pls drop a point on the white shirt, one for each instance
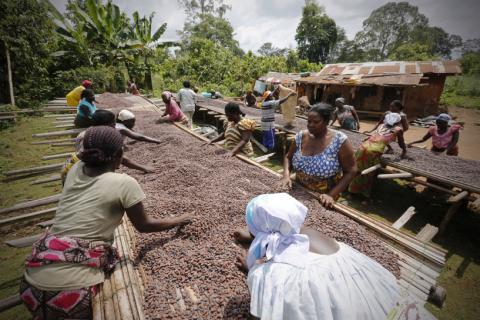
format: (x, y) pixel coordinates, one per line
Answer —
(187, 98)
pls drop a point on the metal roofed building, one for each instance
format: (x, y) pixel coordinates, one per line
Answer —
(371, 86)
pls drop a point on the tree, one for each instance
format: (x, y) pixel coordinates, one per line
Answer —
(316, 33)
(388, 27)
(142, 32)
(205, 19)
(439, 42)
(267, 49)
(193, 8)
(412, 52)
(26, 42)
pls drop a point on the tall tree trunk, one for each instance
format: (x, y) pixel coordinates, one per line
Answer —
(148, 75)
(10, 81)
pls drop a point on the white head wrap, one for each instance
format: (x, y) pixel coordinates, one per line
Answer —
(275, 221)
(340, 100)
(125, 115)
(392, 118)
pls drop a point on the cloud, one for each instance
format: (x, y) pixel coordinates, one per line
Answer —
(258, 21)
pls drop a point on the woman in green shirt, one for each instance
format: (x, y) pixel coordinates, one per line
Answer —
(71, 258)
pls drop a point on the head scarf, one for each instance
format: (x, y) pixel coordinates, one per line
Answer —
(275, 221)
(167, 94)
(444, 117)
(340, 100)
(392, 118)
(125, 115)
(266, 94)
(86, 83)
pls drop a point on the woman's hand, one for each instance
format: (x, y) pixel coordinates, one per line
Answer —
(326, 200)
(184, 219)
(148, 169)
(286, 182)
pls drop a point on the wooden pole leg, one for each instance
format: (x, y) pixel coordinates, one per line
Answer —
(448, 216)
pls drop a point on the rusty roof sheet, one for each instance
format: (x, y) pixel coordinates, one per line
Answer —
(280, 77)
(365, 80)
(449, 67)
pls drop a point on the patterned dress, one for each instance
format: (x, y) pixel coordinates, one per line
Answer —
(233, 135)
(322, 171)
(368, 155)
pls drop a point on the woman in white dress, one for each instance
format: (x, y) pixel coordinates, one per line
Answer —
(299, 273)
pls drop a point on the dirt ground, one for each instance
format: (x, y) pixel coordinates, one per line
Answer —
(469, 143)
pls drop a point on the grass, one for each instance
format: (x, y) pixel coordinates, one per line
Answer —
(17, 152)
(462, 91)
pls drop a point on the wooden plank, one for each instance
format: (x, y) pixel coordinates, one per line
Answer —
(401, 175)
(27, 216)
(50, 167)
(57, 156)
(259, 145)
(52, 178)
(412, 289)
(404, 218)
(427, 233)
(23, 242)
(371, 169)
(263, 158)
(69, 125)
(31, 204)
(449, 215)
(459, 197)
(54, 141)
(10, 302)
(57, 133)
(45, 224)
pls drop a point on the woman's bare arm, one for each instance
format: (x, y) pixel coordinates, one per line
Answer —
(144, 223)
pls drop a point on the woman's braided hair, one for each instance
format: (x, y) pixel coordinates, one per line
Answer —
(101, 146)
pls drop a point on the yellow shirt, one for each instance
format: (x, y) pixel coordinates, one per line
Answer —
(90, 208)
(73, 97)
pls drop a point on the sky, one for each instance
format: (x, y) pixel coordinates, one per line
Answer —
(258, 21)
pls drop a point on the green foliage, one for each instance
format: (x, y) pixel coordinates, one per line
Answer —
(412, 52)
(316, 33)
(103, 79)
(210, 66)
(388, 27)
(462, 91)
(399, 26)
(267, 49)
(471, 63)
(30, 38)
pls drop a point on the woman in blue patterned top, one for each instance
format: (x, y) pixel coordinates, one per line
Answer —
(323, 159)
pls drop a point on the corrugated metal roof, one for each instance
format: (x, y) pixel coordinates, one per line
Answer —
(280, 77)
(393, 67)
(358, 80)
(394, 73)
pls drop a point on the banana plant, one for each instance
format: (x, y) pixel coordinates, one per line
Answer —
(142, 32)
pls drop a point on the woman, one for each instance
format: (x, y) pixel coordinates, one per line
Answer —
(125, 124)
(72, 258)
(396, 106)
(85, 109)
(269, 104)
(372, 149)
(100, 118)
(132, 87)
(238, 131)
(298, 273)
(250, 100)
(172, 113)
(444, 137)
(346, 115)
(322, 158)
